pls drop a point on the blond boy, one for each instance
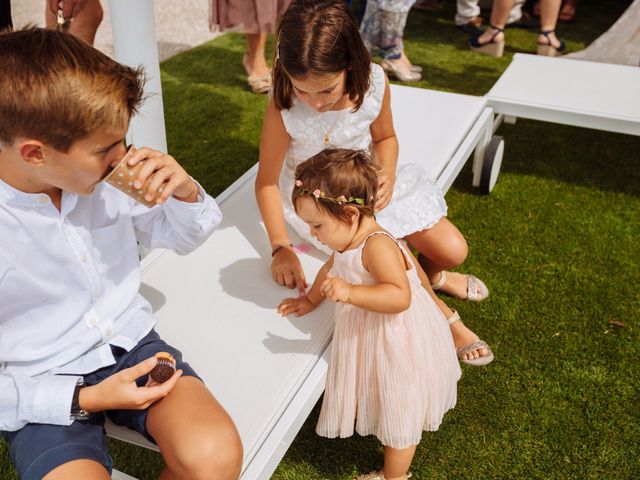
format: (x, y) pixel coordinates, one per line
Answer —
(76, 337)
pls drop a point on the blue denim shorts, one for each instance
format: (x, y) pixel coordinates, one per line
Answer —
(36, 449)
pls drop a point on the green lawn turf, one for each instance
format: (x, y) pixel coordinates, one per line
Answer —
(556, 242)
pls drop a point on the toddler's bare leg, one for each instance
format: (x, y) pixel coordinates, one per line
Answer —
(78, 470)
(196, 436)
(397, 462)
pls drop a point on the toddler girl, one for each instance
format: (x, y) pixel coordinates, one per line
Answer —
(393, 368)
(326, 92)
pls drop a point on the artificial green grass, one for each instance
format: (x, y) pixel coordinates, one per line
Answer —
(556, 242)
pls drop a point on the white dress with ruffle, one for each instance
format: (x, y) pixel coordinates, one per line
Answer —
(390, 375)
(417, 203)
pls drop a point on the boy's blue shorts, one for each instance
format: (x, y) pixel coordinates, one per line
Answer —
(36, 449)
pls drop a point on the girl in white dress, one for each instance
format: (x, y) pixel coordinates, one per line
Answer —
(326, 92)
(393, 368)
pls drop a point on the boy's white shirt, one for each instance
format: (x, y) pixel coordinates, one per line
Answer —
(69, 283)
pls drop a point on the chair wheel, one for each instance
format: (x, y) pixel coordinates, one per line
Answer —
(491, 164)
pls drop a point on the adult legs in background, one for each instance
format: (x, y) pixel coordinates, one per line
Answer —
(499, 16)
(549, 10)
(382, 32)
(255, 63)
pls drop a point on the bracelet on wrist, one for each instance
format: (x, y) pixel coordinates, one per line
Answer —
(349, 295)
(280, 247)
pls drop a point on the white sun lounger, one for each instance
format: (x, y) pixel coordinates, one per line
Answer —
(218, 304)
(570, 92)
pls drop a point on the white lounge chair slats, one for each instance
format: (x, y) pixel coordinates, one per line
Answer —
(571, 92)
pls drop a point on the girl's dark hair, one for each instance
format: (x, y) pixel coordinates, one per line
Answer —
(337, 178)
(319, 37)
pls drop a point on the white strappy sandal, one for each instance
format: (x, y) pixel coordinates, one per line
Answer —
(476, 289)
(462, 351)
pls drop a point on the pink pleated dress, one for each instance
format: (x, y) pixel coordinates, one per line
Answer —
(390, 375)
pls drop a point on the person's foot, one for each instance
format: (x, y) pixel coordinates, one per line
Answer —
(258, 73)
(399, 70)
(255, 66)
(550, 39)
(459, 285)
(463, 336)
(472, 27)
(491, 35)
(407, 63)
(525, 21)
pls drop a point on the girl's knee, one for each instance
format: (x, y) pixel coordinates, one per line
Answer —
(457, 251)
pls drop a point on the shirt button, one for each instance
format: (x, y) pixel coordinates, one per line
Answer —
(44, 199)
(96, 291)
(92, 322)
(83, 258)
(108, 332)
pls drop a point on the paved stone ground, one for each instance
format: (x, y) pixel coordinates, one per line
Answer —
(180, 24)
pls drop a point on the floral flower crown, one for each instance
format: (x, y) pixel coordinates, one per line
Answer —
(318, 194)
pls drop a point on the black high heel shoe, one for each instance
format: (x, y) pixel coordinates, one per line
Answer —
(548, 49)
(491, 48)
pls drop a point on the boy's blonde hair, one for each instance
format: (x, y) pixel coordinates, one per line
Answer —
(58, 89)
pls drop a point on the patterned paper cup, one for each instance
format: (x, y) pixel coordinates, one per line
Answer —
(123, 175)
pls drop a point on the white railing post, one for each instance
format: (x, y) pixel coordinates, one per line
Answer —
(135, 44)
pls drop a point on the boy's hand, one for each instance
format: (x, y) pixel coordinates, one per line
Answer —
(119, 391)
(336, 289)
(162, 176)
(298, 306)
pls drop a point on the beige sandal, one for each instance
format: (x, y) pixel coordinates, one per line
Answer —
(477, 345)
(257, 84)
(476, 289)
(376, 476)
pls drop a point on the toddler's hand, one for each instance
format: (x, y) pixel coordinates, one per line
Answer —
(120, 391)
(336, 289)
(298, 306)
(385, 190)
(162, 176)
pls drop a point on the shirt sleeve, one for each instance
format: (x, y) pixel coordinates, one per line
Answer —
(43, 399)
(179, 226)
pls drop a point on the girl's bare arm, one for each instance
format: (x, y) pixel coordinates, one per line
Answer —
(273, 148)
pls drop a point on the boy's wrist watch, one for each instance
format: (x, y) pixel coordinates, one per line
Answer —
(76, 412)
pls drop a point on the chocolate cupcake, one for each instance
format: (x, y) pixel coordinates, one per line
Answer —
(165, 367)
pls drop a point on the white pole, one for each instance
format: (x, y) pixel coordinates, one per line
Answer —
(134, 42)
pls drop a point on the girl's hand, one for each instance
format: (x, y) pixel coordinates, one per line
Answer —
(162, 176)
(286, 269)
(120, 392)
(298, 306)
(385, 190)
(336, 289)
